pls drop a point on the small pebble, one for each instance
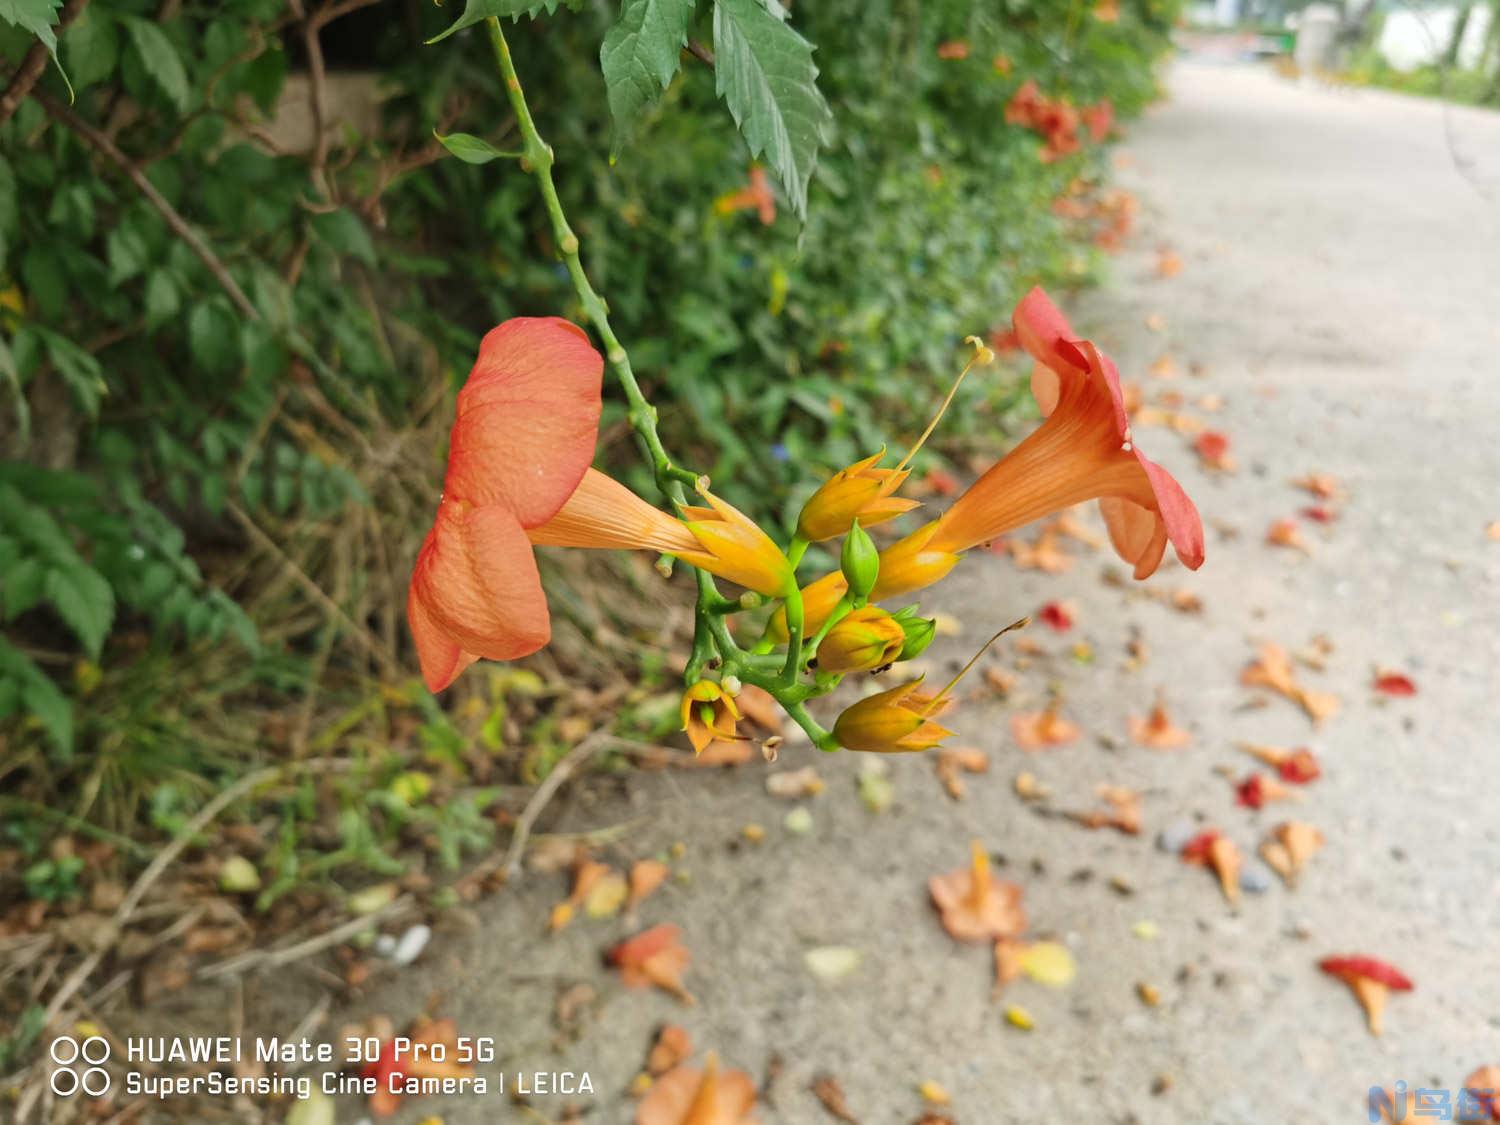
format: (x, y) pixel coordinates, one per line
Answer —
(1255, 878)
(753, 832)
(1174, 837)
(1145, 929)
(798, 822)
(1150, 995)
(411, 944)
(384, 945)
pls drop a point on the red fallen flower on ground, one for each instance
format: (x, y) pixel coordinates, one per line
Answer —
(1300, 768)
(1257, 789)
(1212, 448)
(1319, 513)
(394, 1066)
(1394, 683)
(1056, 615)
(1372, 981)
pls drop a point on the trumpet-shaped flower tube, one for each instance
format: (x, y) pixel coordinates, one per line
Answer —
(1083, 451)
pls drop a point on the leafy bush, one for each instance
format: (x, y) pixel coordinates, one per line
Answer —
(228, 353)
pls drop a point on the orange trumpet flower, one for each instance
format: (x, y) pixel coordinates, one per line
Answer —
(1084, 450)
(518, 475)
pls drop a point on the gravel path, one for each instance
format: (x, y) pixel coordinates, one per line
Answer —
(1339, 293)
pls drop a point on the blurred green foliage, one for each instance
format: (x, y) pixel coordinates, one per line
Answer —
(155, 407)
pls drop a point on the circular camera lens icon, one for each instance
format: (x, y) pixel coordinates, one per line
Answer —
(67, 1079)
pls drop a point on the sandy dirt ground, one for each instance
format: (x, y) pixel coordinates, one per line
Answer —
(1339, 293)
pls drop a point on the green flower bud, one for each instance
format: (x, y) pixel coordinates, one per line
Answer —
(919, 632)
(860, 562)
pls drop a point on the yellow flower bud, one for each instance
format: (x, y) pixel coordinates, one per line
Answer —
(863, 639)
(734, 547)
(893, 722)
(859, 492)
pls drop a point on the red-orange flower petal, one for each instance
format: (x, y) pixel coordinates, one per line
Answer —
(475, 592)
(528, 419)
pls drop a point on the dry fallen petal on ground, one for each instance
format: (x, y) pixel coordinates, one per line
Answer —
(974, 905)
(688, 1096)
(1298, 766)
(1371, 980)
(1155, 322)
(1288, 848)
(1185, 601)
(1124, 813)
(1156, 729)
(672, 1047)
(1318, 513)
(1163, 367)
(1046, 554)
(1212, 448)
(1258, 790)
(1272, 669)
(999, 681)
(959, 759)
(645, 876)
(795, 784)
(760, 707)
(1028, 788)
(1035, 729)
(1212, 849)
(1325, 486)
(1058, 615)
(1286, 533)
(412, 1056)
(654, 957)
(1008, 952)
(1492, 532)
(1168, 264)
(1394, 683)
(826, 1089)
(587, 874)
(606, 896)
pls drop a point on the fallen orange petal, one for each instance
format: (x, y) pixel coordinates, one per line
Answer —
(1286, 533)
(673, 1045)
(1035, 729)
(1157, 731)
(688, 1096)
(654, 956)
(973, 905)
(645, 876)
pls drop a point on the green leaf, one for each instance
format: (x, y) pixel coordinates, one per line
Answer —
(766, 75)
(83, 599)
(471, 149)
(35, 16)
(162, 299)
(126, 251)
(79, 370)
(92, 47)
(159, 58)
(212, 337)
(640, 54)
(476, 11)
(23, 586)
(39, 695)
(345, 233)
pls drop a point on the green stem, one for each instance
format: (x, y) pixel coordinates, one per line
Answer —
(537, 159)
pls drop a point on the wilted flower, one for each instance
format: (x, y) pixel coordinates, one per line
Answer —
(708, 714)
